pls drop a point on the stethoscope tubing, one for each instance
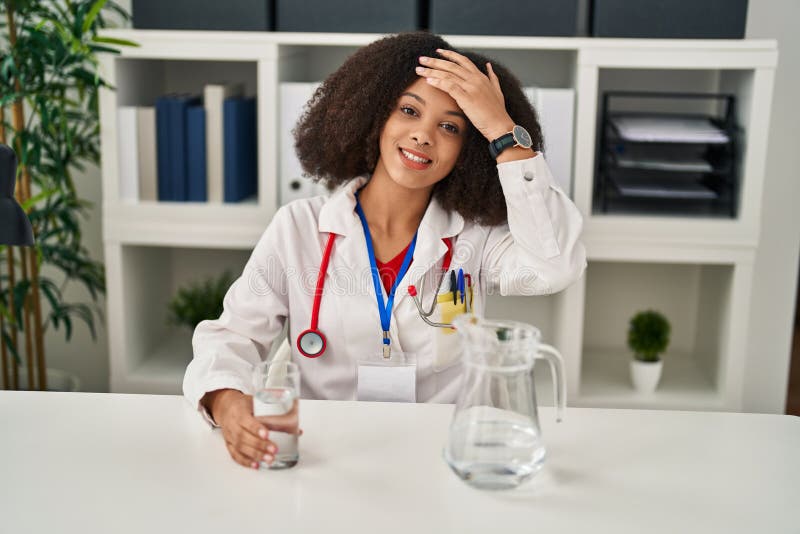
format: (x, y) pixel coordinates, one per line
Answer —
(323, 270)
(313, 331)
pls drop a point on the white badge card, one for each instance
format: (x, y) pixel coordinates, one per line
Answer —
(392, 379)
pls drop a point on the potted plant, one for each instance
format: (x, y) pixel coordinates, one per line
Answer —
(49, 83)
(199, 301)
(648, 337)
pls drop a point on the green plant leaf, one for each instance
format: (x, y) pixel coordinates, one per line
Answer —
(199, 301)
(648, 335)
(9, 343)
(115, 41)
(92, 15)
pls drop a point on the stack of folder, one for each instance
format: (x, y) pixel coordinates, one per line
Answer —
(667, 162)
(189, 148)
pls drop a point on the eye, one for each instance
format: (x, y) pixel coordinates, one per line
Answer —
(452, 128)
(408, 110)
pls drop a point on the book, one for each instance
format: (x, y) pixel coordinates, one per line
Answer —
(213, 97)
(146, 143)
(128, 154)
(196, 154)
(241, 164)
(163, 154)
(291, 184)
(556, 110)
(178, 106)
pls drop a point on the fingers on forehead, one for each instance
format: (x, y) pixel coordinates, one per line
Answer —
(455, 57)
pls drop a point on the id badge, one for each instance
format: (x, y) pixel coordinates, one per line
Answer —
(392, 379)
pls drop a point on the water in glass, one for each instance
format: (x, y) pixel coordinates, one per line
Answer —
(269, 403)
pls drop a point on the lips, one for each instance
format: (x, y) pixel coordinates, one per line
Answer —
(414, 160)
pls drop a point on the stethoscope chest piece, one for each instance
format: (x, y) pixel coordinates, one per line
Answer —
(311, 343)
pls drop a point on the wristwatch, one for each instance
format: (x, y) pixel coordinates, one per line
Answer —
(519, 136)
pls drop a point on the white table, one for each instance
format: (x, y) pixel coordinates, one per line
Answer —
(85, 462)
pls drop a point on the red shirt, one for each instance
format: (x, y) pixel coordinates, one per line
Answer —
(388, 271)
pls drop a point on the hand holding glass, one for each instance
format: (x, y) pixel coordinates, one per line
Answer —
(275, 403)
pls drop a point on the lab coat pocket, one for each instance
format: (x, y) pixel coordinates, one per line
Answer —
(448, 351)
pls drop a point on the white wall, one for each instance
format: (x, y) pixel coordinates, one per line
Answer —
(776, 265)
(775, 278)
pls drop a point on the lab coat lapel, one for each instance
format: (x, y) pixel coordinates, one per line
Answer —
(437, 223)
(339, 217)
(350, 252)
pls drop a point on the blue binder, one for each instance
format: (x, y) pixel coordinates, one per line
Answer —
(241, 163)
(196, 154)
(162, 148)
(177, 146)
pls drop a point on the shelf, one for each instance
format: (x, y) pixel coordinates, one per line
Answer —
(147, 352)
(235, 225)
(605, 383)
(695, 299)
(697, 269)
(176, 76)
(162, 372)
(189, 39)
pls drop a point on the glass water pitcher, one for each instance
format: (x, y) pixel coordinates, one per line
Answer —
(495, 440)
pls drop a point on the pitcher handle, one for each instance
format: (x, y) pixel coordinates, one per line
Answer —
(556, 361)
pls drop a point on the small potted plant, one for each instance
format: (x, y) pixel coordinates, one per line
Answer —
(648, 337)
(199, 301)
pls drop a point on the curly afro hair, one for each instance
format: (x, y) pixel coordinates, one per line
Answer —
(337, 138)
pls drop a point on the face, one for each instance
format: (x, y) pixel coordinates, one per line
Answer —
(422, 138)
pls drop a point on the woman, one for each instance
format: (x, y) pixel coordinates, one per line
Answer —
(402, 131)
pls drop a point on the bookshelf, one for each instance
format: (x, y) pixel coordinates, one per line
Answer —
(697, 269)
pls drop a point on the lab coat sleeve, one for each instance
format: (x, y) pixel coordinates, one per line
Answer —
(254, 312)
(539, 250)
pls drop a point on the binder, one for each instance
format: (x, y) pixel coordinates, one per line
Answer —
(146, 143)
(178, 177)
(556, 110)
(196, 154)
(239, 126)
(163, 153)
(213, 97)
(291, 183)
(128, 154)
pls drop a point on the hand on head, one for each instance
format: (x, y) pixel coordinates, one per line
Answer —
(479, 96)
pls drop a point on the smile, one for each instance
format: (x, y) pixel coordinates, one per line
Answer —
(413, 157)
(415, 161)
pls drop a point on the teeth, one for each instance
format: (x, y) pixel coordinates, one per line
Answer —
(412, 157)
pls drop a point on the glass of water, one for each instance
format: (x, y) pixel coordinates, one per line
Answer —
(275, 403)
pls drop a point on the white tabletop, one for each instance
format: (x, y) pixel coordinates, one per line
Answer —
(84, 462)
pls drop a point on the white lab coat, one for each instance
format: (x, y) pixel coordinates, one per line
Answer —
(538, 252)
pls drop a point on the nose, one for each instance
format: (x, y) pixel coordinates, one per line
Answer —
(422, 135)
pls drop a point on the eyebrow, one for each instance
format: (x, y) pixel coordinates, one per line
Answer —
(422, 101)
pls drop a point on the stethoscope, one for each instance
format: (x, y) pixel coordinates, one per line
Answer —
(312, 342)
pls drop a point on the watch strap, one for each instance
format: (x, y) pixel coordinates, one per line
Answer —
(501, 143)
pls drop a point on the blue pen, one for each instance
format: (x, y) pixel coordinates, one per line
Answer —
(461, 289)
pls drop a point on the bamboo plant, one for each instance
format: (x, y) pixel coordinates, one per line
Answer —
(49, 84)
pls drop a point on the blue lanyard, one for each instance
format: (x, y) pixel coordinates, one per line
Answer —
(385, 311)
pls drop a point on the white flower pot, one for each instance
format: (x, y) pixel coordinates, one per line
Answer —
(645, 375)
(57, 380)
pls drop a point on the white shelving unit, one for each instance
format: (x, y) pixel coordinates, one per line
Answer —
(697, 270)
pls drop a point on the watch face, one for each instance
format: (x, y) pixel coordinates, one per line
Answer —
(522, 137)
